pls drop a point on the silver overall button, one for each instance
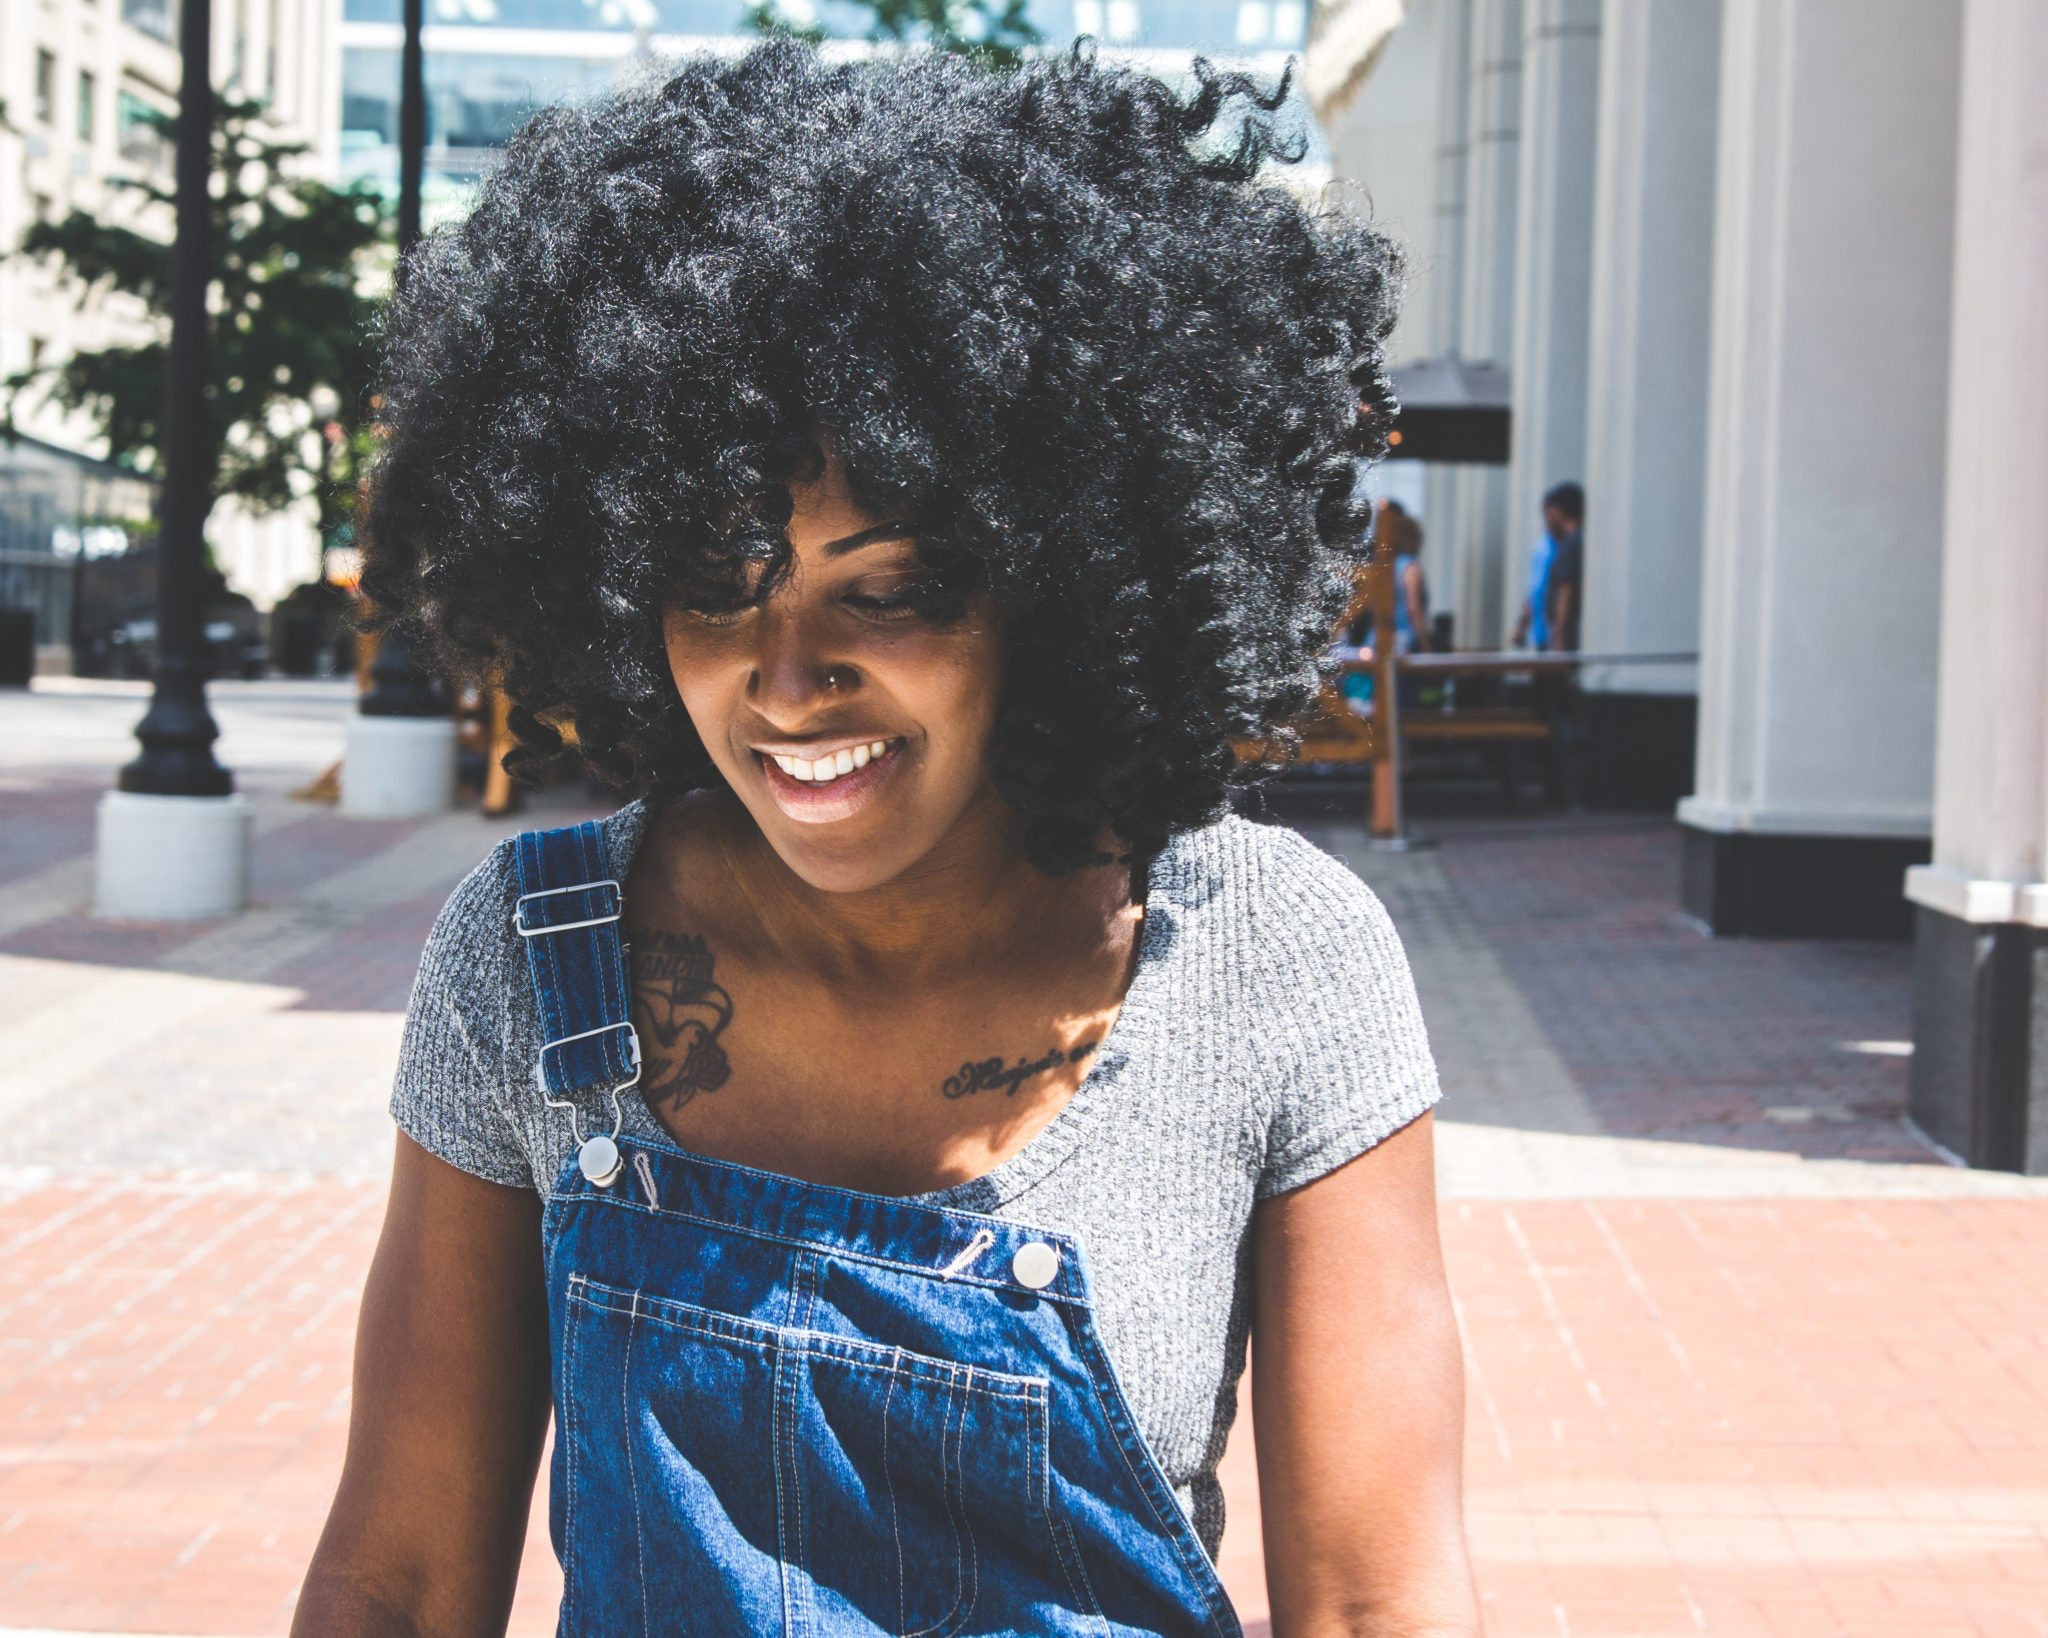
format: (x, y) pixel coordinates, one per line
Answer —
(601, 1161)
(1036, 1265)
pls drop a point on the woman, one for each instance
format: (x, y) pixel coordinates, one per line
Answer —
(878, 1140)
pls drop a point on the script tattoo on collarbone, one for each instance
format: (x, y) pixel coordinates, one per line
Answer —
(678, 1003)
(990, 1075)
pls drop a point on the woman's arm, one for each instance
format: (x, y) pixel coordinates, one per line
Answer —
(449, 1414)
(1358, 1398)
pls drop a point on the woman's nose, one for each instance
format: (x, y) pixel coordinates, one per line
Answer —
(794, 673)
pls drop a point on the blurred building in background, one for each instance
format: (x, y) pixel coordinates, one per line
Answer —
(76, 72)
(490, 63)
(76, 78)
(1766, 275)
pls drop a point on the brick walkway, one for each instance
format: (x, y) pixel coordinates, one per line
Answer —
(1744, 1355)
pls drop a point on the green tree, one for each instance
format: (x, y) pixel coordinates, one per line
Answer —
(996, 33)
(291, 337)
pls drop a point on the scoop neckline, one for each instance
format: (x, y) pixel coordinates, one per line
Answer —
(626, 830)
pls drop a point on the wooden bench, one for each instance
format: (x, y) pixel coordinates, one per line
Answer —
(1337, 733)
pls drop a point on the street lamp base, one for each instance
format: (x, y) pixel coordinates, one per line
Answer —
(172, 858)
(398, 767)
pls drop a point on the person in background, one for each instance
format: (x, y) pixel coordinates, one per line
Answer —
(1395, 529)
(1549, 620)
(1550, 624)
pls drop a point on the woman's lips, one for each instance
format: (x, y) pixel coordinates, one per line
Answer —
(841, 798)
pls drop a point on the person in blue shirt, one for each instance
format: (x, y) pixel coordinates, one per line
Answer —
(1549, 621)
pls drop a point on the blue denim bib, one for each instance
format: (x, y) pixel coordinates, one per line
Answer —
(787, 1408)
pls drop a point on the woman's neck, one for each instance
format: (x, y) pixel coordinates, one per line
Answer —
(973, 902)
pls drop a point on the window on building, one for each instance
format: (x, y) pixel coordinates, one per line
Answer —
(475, 101)
(87, 106)
(139, 141)
(42, 205)
(157, 17)
(270, 33)
(608, 16)
(46, 86)
(1122, 18)
(1290, 17)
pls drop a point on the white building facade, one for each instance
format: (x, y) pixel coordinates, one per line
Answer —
(75, 77)
(1776, 270)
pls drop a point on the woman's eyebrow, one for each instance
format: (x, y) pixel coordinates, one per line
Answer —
(868, 537)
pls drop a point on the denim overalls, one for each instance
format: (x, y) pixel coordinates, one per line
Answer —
(783, 1408)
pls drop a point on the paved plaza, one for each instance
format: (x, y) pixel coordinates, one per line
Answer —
(1745, 1354)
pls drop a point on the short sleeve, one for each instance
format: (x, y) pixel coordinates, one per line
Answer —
(450, 1092)
(1350, 1055)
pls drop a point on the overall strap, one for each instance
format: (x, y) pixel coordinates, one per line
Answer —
(568, 914)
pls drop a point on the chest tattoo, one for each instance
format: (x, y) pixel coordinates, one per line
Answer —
(678, 1003)
(990, 1075)
(680, 1008)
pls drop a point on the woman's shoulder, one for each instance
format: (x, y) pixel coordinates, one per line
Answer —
(478, 912)
(1270, 885)
(459, 1090)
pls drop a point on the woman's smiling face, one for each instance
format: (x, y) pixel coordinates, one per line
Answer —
(855, 728)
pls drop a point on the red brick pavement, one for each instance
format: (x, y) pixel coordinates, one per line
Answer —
(1735, 1417)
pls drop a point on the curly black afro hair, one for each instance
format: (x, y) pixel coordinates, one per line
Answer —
(1060, 317)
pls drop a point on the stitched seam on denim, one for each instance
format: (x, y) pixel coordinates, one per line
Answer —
(973, 1588)
(611, 976)
(632, 1472)
(1067, 1285)
(599, 976)
(1119, 1420)
(567, 1411)
(889, 1483)
(854, 1351)
(553, 1012)
(781, 1507)
(1055, 1528)
(832, 1249)
(947, 1469)
(803, 1296)
(796, 1489)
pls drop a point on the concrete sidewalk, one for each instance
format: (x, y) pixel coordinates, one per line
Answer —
(1745, 1354)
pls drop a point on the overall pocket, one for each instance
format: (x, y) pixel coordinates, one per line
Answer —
(730, 1476)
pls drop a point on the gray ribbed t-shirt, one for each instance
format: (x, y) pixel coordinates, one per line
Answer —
(1271, 1032)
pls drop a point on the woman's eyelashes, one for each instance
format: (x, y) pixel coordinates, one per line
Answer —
(884, 607)
(881, 605)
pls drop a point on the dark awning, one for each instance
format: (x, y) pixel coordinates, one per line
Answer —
(1452, 410)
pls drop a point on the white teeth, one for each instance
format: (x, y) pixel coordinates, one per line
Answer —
(828, 768)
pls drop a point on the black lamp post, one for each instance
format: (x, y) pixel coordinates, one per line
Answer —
(399, 687)
(178, 731)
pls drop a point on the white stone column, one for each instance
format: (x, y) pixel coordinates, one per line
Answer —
(1447, 264)
(1553, 261)
(1473, 575)
(1826, 433)
(1980, 1049)
(1646, 392)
